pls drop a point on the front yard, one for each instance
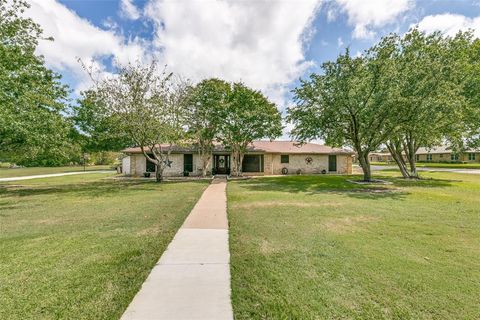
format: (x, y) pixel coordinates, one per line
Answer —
(319, 247)
(302, 247)
(79, 247)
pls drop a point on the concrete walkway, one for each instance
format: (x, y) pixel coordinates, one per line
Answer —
(192, 278)
(51, 175)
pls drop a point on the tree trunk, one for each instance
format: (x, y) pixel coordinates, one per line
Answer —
(240, 163)
(236, 163)
(158, 173)
(205, 163)
(365, 164)
(412, 161)
(396, 152)
(413, 166)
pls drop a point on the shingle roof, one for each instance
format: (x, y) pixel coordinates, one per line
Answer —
(287, 147)
(291, 147)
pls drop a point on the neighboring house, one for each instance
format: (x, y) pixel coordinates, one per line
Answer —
(444, 154)
(380, 157)
(261, 158)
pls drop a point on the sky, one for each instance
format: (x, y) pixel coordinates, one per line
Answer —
(269, 45)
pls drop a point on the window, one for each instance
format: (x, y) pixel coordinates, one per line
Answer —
(429, 157)
(417, 157)
(252, 163)
(454, 157)
(284, 158)
(441, 155)
(471, 156)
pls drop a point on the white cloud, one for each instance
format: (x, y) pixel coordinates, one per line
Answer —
(365, 16)
(340, 42)
(261, 43)
(129, 10)
(78, 38)
(258, 42)
(449, 24)
(331, 14)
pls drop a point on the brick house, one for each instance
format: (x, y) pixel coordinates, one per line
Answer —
(261, 158)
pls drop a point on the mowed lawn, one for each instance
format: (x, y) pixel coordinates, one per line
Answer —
(31, 171)
(79, 247)
(320, 247)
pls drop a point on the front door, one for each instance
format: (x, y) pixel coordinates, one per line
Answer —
(188, 163)
(332, 163)
(222, 164)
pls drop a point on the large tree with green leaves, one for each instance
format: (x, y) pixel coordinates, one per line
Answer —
(427, 94)
(98, 129)
(207, 102)
(348, 105)
(248, 116)
(149, 106)
(470, 48)
(32, 97)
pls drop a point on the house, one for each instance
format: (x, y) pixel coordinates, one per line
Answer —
(445, 154)
(380, 157)
(261, 158)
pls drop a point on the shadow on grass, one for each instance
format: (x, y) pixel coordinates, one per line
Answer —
(423, 183)
(340, 185)
(100, 188)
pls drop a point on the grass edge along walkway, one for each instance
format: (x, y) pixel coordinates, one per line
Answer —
(192, 278)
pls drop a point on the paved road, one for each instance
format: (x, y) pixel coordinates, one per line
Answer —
(192, 278)
(51, 175)
(469, 171)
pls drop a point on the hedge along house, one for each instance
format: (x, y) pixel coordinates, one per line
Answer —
(261, 158)
(444, 154)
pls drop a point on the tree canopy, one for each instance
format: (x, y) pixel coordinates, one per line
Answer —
(33, 128)
(418, 90)
(427, 95)
(207, 102)
(348, 104)
(248, 116)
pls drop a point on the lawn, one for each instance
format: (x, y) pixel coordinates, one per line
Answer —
(20, 172)
(320, 247)
(435, 165)
(79, 247)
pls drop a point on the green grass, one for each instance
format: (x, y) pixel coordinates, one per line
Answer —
(320, 247)
(79, 247)
(435, 165)
(21, 172)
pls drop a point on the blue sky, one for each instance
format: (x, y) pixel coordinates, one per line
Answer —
(267, 44)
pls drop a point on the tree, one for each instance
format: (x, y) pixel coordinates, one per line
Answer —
(471, 88)
(207, 101)
(98, 128)
(248, 116)
(149, 105)
(427, 95)
(347, 104)
(32, 97)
